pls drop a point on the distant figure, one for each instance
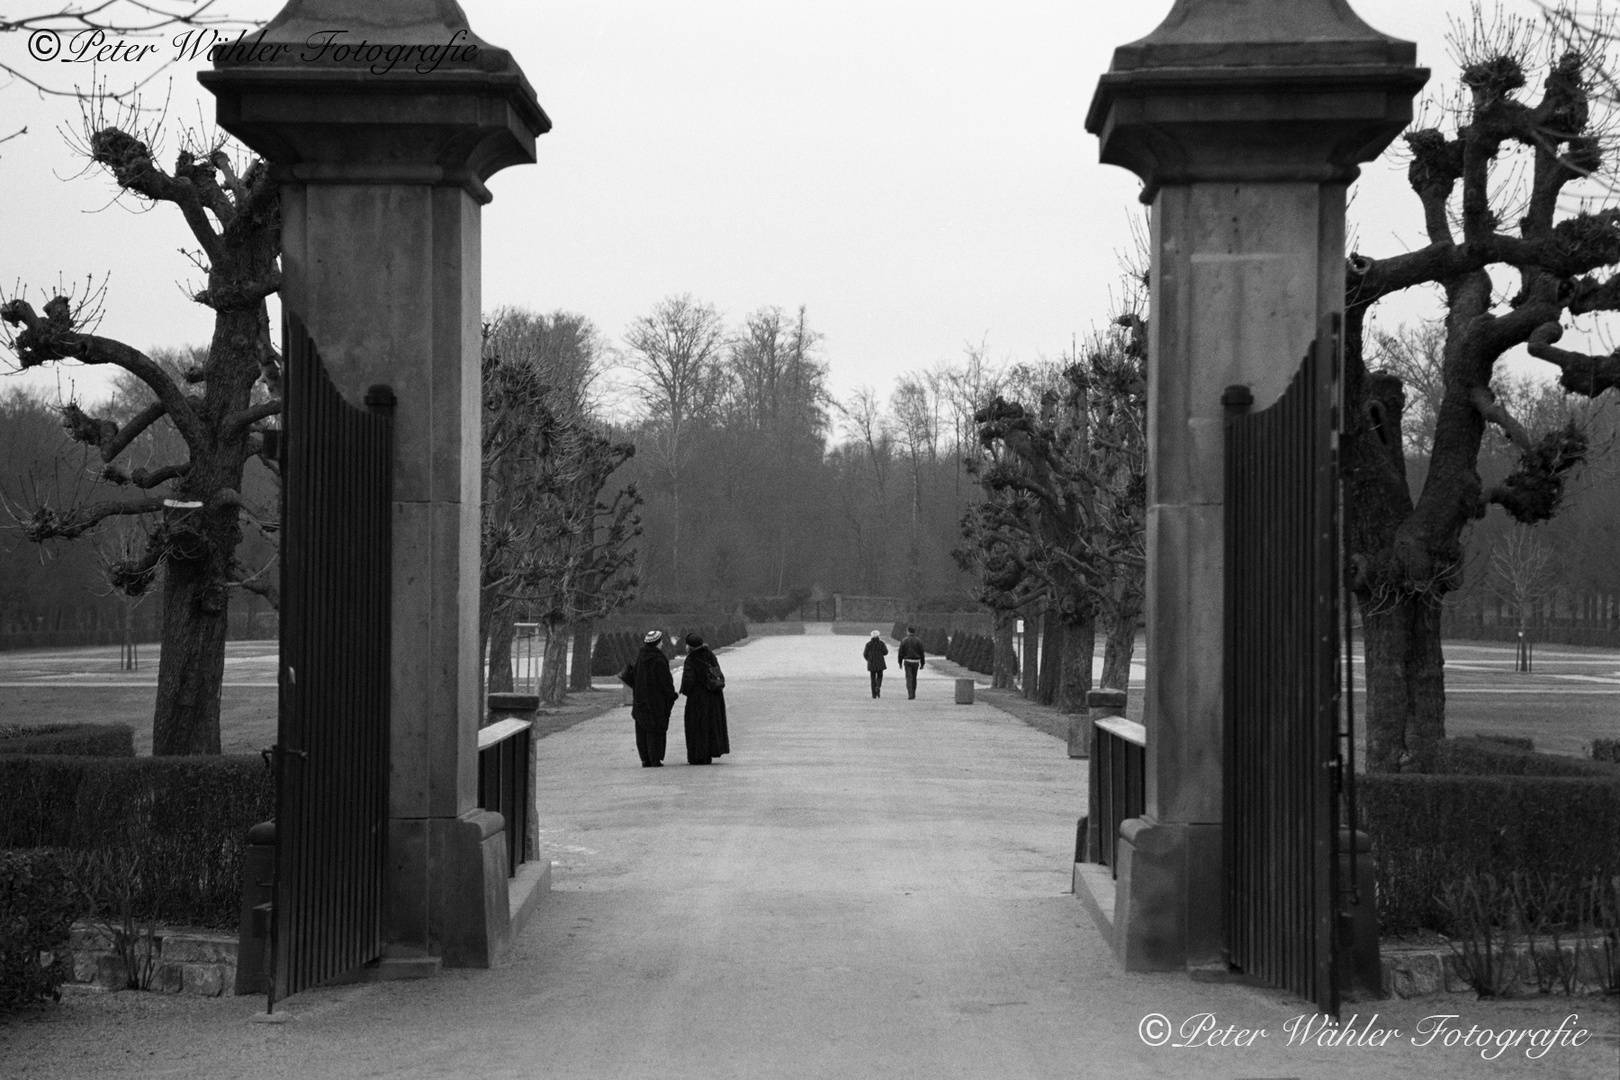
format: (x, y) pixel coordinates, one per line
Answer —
(653, 690)
(875, 652)
(705, 690)
(911, 658)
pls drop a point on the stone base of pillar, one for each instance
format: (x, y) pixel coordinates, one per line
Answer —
(1167, 907)
(448, 890)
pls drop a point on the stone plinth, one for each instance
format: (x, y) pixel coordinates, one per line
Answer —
(382, 172)
(1246, 120)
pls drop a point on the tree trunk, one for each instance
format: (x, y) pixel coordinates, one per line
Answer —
(1121, 642)
(1005, 665)
(1405, 698)
(579, 673)
(191, 667)
(501, 633)
(1079, 645)
(554, 672)
(1051, 658)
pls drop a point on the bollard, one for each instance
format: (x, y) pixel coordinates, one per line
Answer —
(253, 930)
(964, 691)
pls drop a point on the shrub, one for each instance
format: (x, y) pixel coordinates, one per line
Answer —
(37, 907)
(89, 740)
(181, 821)
(1431, 831)
(1606, 750)
(602, 656)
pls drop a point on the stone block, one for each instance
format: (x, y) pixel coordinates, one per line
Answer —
(1413, 974)
(90, 936)
(205, 980)
(1150, 907)
(1081, 735)
(185, 948)
(110, 972)
(169, 978)
(964, 691)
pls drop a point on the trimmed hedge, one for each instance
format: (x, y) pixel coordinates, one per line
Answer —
(1486, 755)
(172, 830)
(90, 740)
(1428, 830)
(38, 904)
(1606, 750)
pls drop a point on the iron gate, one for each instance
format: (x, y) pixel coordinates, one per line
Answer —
(1281, 680)
(332, 735)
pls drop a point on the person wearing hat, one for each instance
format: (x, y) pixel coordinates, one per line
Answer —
(875, 652)
(652, 697)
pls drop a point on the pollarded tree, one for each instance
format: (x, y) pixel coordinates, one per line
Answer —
(1407, 553)
(192, 507)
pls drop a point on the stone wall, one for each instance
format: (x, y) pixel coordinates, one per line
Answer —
(179, 961)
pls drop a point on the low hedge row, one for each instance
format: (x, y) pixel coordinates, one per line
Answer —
(1428, 830)
(976, 652)
(1606, 750)
(93, 740)
(1488, 755)
(38, 904)
(935, 641)
(616, 649)
(170, 832)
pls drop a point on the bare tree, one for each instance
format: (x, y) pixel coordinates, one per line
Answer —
(194, 503)
(674, 352)
(1407, 553)
(1521, 572)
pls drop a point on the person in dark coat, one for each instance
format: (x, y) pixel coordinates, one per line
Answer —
(911, 659)
(653, 696)
(875, 652)
(705, 690)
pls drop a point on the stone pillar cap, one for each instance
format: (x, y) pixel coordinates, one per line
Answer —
(357, 91)
(1254, 90)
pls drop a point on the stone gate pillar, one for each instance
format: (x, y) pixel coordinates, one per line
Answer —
(1246, 120)
(382, 121)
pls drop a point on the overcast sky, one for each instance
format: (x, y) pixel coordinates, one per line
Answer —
(917, 175)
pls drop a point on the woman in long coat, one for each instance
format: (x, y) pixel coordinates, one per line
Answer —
(706, 736)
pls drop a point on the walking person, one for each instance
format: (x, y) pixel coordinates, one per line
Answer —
(653, 696)
(911, 659)
(875, 652)
(705, 688)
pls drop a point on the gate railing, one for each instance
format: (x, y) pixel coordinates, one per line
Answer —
(332, 741)
(503, 782)
(1119, 771)
(1283, 760)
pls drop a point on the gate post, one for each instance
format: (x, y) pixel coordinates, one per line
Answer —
(382, 137)
(1246, 120)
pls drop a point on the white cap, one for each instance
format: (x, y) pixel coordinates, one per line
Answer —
(877, 633)
(653, 635)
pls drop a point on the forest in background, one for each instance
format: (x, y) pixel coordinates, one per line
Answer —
(757, 483)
